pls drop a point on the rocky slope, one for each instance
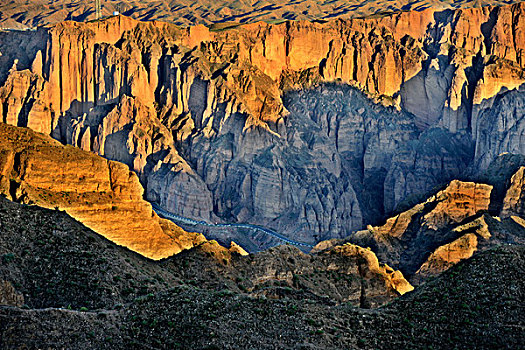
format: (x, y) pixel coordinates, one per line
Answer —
(449, 227)
(103, 195)
(138, 303)
(313, 129)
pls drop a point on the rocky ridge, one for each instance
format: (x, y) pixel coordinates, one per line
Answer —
(51, 260)
(448, 227)
(104, 195)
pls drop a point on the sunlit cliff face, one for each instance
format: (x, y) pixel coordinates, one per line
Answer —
(103, 195)
(246, 125)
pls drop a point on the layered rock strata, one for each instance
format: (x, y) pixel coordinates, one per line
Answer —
(104, 195)
(240, 124)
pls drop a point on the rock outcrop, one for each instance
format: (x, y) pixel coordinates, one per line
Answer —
(368, 265)
(406, 239)
(310, 128)
(449, 227)
(104, 195)
(359, 277)
(447, 255)
(514, 201)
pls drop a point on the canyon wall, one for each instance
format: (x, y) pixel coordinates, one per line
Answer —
(312, 129)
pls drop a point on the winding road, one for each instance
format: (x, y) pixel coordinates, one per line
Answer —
(174, 217)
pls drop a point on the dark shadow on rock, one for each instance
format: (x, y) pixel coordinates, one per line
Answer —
(21, 45)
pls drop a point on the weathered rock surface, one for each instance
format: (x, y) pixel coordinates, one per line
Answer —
(498, 127)
(104, 195)
(245, 123)
(406, 238)
(514, 201)
(461, 248)
(499, 175)
(361, 279)
(448, 255)
(449, 227)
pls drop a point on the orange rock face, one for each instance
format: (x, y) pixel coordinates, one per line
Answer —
(96, 63)
(473, 234)
(457, 202)
(104, 195)
(514, 201)
(450, 254)
(449, 227)
(407, 239)
(368, 266)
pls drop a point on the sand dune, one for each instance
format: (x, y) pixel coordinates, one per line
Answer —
(23, 13)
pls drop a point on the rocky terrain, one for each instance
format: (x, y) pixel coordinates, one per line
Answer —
(65, 286)
(393, 142)
(104, 195)
(312, 129)
(452, 225)
(24, 14)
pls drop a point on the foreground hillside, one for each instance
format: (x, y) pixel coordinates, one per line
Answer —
(50, 260)
(70, 288)
(23, 14)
